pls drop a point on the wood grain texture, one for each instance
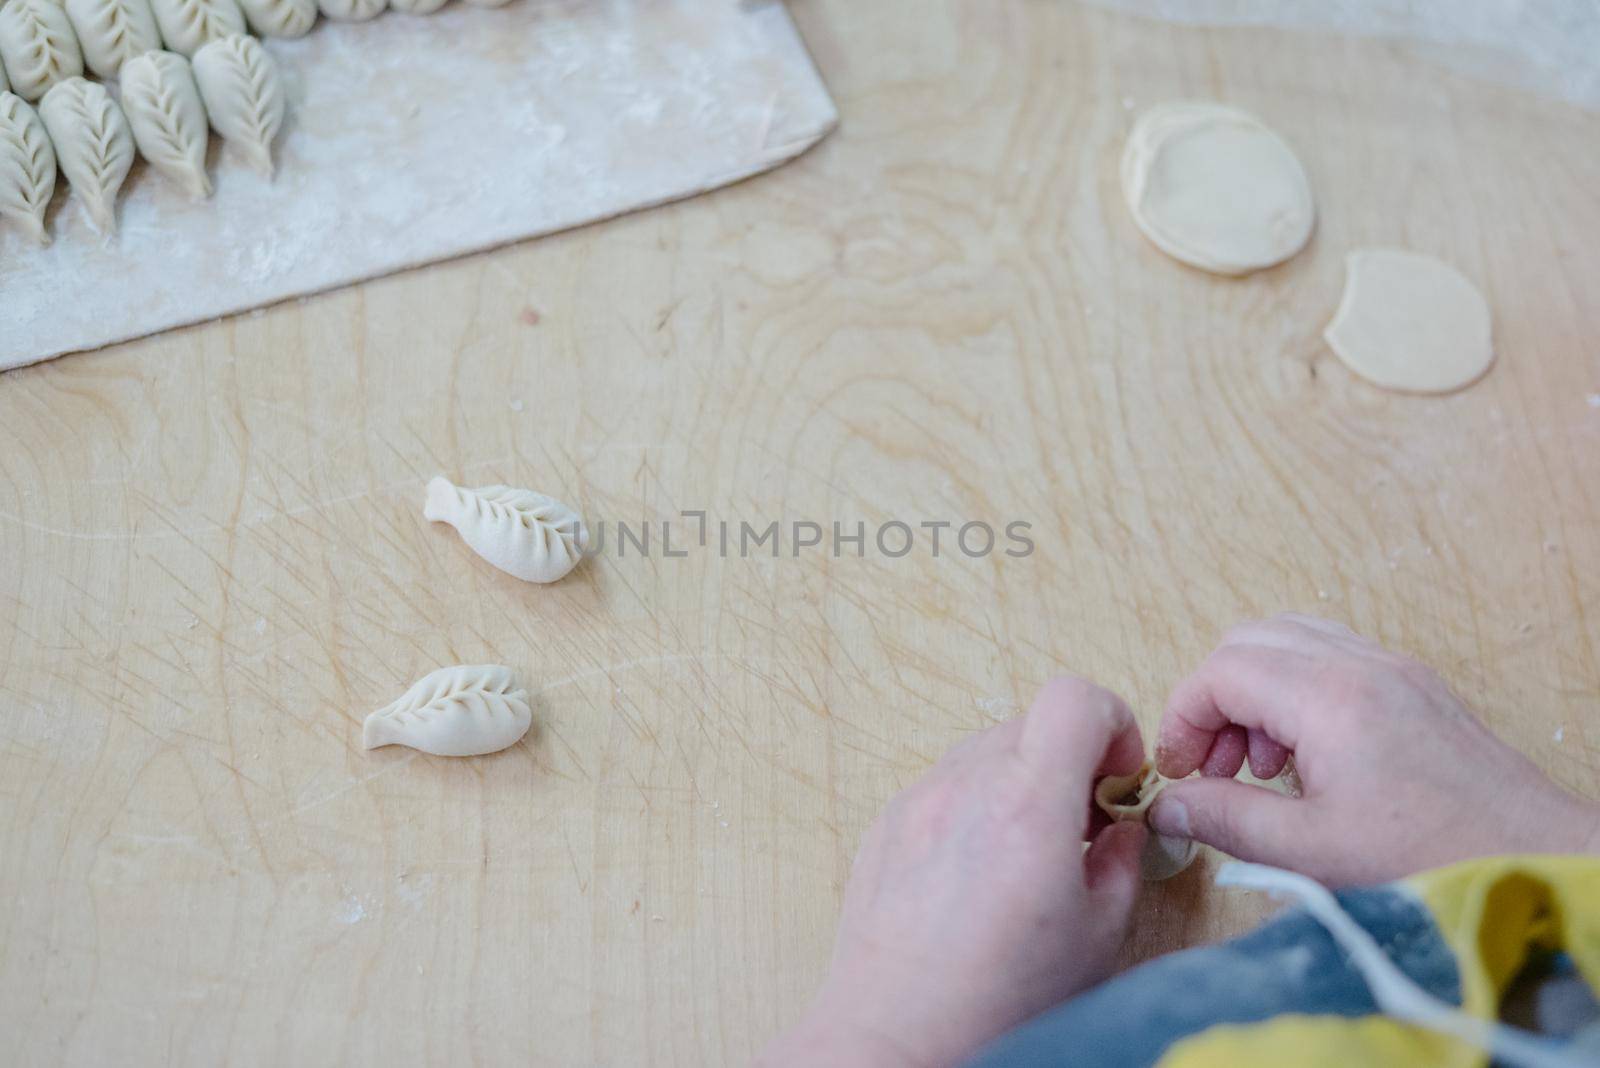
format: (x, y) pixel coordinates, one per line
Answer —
(215, 563)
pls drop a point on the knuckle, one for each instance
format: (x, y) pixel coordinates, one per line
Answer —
(1228, 661)
(1349, 690)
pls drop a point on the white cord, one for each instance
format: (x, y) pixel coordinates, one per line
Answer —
(1394, 991)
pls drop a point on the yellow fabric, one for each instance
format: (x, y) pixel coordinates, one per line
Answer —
(1319, 1042)
(1490, 912)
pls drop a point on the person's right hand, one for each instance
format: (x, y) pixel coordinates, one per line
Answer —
(1398, 776)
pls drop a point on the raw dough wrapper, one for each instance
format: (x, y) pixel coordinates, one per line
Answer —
(1128, 798)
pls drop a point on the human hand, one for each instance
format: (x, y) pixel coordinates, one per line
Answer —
(973, 904)
(1397, 775)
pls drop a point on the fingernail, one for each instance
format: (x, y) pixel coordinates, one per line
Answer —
(1169, 817)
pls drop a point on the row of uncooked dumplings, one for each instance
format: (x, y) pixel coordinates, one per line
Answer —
(47, 45)
(166, 104)
(43, 42)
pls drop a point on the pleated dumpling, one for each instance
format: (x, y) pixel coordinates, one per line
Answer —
(243, 95)
(454, 711)
(111, 32)
(94, 147)
(280, 18)
(1127, 798)
(168, 121)
(526, 534)
(27, 166)
(38, 46)
(187, 25)
(351, 10)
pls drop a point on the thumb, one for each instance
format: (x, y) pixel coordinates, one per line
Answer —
(1244, 821)
(1111, 868)
(1111, 876)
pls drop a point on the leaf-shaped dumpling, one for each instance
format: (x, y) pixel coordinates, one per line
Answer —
(111, 32)
(5, 83)
(239, 84)
(280, 18)
(455, 711)
(37, 46)
(186, 25)
(27, 166)
(416, 7)
(94, 147)
(351, 10)
(168, 120)
(526, 534)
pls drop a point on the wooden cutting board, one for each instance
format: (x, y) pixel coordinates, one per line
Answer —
(213, 561)
(416, 138)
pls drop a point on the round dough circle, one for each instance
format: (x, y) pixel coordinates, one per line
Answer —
(1213, 187)
(1411, 323)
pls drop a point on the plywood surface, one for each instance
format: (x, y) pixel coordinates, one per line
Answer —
(214, 561)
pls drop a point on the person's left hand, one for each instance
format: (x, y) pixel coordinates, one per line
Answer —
(973, 904)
